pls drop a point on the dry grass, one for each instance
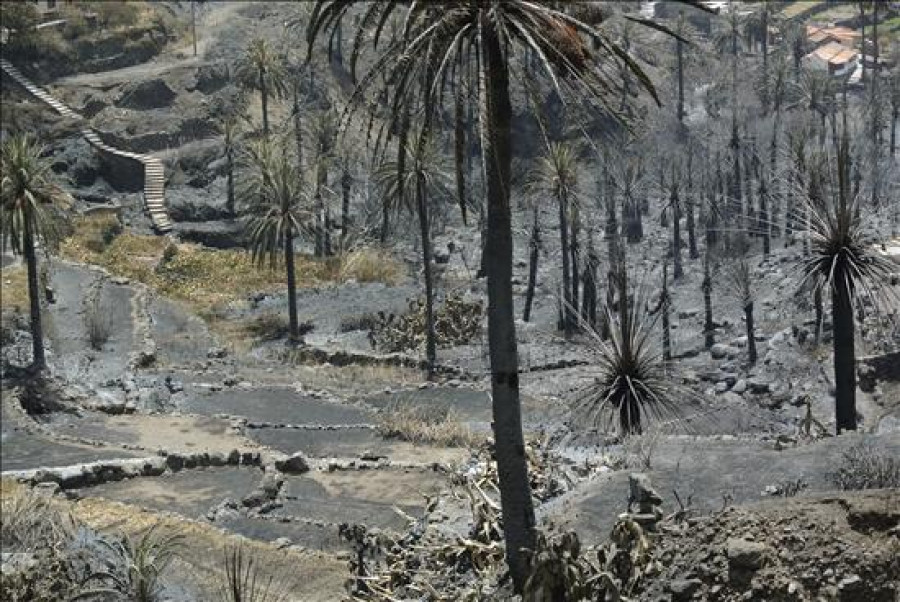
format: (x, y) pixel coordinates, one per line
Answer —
(15, 288)
(209, 280)
(30, 521)
(369, 264)
(433, 424)
(865, 467)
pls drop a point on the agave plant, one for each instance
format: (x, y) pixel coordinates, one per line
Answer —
(632, 382)
(243, 580)
(133, 567)
(843, 263)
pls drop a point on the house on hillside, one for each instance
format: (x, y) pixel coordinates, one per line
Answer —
(835, 58)
(818, 36)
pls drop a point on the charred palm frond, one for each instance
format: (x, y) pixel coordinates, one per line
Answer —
(843, 244)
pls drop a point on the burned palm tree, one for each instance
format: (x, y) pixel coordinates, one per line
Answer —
(843, 264)
(557, 175)
(741, 279)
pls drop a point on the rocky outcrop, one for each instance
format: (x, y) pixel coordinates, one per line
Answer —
(151, 94)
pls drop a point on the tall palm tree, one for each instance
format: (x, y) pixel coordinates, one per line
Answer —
(276, 206)
(844, 264)
(415, 71)
(30, 198)
(557, 175)
(322, 135)
(894, 94)
(262, 68)
(426, 175)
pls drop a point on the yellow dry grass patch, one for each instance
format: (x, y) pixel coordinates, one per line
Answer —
(208, 280)
(14, 288)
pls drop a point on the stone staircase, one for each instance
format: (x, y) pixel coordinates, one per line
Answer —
(154, 173)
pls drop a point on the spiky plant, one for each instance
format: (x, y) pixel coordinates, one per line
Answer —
(262, 68)
(243, 579)
(632, 383)
(276, 205)
(414, 71)
(740, 278)
(844, 264)
(133, 566)
(31, 200)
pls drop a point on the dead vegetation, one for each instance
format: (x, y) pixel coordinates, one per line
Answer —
(456, 322)
(431, 424)
(865, 467)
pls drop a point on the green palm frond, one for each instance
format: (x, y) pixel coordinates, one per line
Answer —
(425, 161)
(276, 202)
(262, 62)
(557, 172)
(28, 192)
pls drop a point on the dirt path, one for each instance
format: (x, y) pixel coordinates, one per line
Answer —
(212, 24)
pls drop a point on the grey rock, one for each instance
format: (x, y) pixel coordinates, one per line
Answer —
(740, 386)
(282, 542)
(719, 351)
(641, 492)
(175, 462)
(759, 385)
(296, 463)
(684, 589)
(745, 555)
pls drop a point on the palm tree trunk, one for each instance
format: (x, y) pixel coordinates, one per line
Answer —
(39, 361)
(765, 58)
(819, 310)
(708, 327)
(895, 113)
(320, 215)
(566, 274)
(229, 166)
(264, 95)
(751, 339)
(679, 55)
(512, 468)
(764, 218)
(574, 266)
(666, 322)
(844, 358)
(532, 264)
(298, 129)
(425, 233)
(346, 182)
(459, 151)
(293, 327)
(677, 272)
